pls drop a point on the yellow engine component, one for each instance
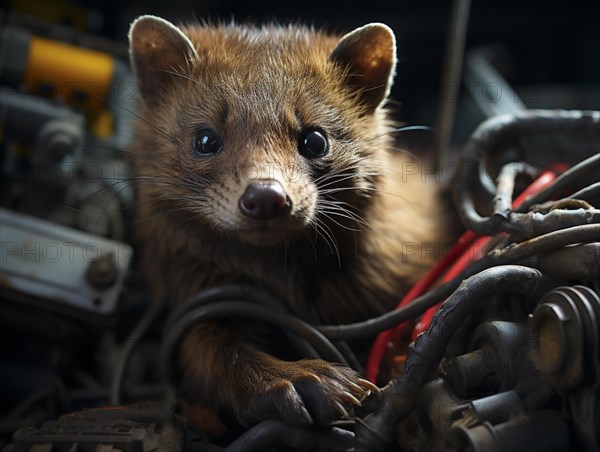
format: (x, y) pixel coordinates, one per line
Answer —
(81, 77)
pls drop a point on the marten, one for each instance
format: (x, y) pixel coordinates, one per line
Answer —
(267, 154)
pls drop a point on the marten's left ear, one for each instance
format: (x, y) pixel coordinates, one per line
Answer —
(369, 55)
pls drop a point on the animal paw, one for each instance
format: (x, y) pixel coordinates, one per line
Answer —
(307, 392)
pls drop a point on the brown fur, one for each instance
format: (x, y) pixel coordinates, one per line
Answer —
(260, 86)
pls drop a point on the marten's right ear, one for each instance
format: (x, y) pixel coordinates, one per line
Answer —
(157, 50)
(369, 55)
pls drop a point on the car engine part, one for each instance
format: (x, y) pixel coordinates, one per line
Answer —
(39, 259)
(129, 429)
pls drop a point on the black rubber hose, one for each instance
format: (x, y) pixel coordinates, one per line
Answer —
(128, 346)
(249, 292)
(590, 194)
(243, 292)
(538, 245)
(232, 309)
(377, 430)
(567, 180)
(498, 135)
(375, 325)
(261, 296)
(269, 434)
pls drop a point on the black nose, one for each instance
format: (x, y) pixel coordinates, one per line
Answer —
(264, 200)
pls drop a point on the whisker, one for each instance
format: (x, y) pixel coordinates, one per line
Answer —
(128, 182)
(330, 191)
(174, 200)
(179, 74)
(312, 244)
(109, 202)
(344, 214)
(346, 170)
(326, 232)
(154, 126)
(338, 205)
(195, 216)
(328, 216)
(336, 179)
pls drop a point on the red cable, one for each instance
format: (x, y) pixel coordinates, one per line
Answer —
(378, 348)
(477, 250)
(468, 249)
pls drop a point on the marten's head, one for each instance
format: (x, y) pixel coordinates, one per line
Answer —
(260, 133)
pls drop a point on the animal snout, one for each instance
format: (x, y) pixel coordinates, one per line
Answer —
(264, 200)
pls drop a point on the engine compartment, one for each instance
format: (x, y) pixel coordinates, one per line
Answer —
(497, 349)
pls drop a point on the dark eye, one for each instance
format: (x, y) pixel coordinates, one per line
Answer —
(207, 141)
(312, 143)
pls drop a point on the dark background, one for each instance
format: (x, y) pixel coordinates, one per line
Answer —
(548, 51)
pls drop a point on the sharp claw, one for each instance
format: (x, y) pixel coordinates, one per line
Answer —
(306, 415)
(341, 408)
(347, 397)
(366, 384)
(314, 377)
(357, 389)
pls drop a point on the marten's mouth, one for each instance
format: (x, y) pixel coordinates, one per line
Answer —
(266, 233)
(263, 236)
